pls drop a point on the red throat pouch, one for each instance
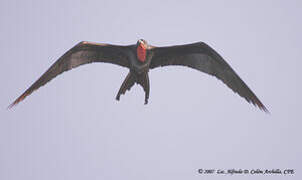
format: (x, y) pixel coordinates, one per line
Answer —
(141, 53)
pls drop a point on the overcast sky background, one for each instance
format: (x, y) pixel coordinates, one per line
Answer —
(73, 128)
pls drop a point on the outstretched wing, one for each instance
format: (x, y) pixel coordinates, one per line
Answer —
(82, 53)
(202, 57)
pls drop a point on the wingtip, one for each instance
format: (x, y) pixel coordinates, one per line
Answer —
(266, 110)
(262, 107)
(16, 101)
(11, 106)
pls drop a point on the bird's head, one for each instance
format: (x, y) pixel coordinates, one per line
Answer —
(141, 49)
(143, 43)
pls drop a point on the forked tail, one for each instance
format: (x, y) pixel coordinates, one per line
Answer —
(130, 80)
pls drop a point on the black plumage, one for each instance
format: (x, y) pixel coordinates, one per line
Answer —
(140, 58)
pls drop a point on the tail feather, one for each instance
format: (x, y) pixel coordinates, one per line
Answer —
(127, 84)
(144, 82)
(130, 80)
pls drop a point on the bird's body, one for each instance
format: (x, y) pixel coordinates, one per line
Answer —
(140, 58)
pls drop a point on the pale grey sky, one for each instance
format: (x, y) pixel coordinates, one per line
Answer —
(73, 128)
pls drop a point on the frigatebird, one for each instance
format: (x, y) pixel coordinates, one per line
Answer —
(140, 58)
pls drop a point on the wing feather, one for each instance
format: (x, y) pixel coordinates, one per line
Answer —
(202, 57)
(82, 53)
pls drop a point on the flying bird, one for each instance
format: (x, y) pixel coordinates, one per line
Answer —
(140, 58)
